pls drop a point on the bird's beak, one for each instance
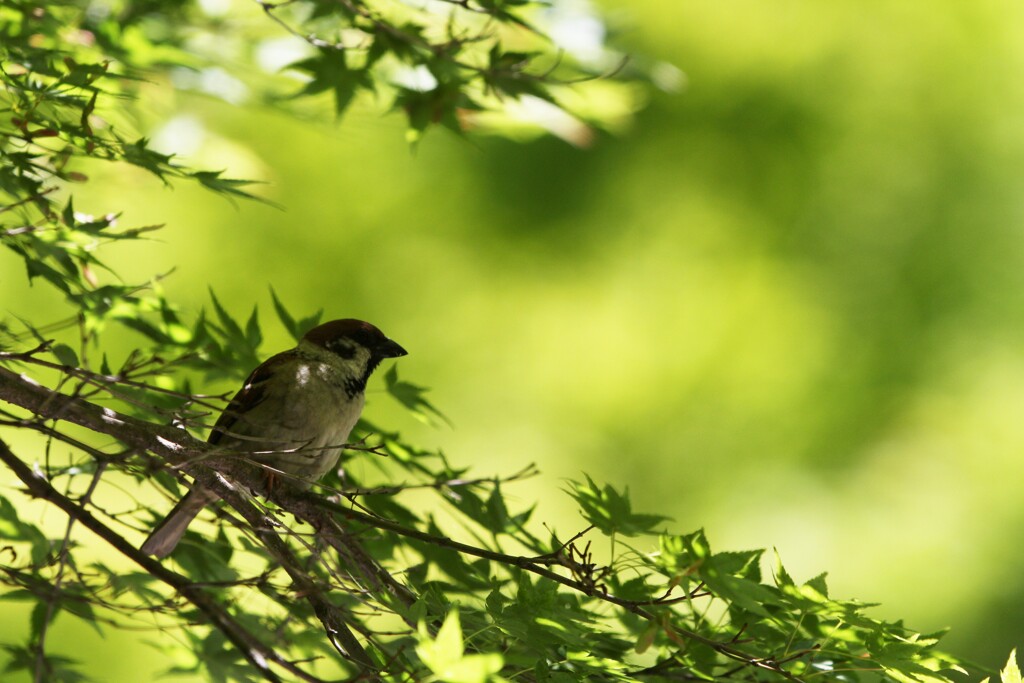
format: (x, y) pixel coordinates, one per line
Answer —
(389, 349)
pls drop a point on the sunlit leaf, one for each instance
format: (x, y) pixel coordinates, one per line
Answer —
(611, 511)
(1011, 672)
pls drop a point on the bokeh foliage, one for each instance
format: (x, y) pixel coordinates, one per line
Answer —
(735, 138)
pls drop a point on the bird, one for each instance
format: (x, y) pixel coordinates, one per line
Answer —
(293, 414)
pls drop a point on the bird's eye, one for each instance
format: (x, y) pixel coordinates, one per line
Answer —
(343, 348)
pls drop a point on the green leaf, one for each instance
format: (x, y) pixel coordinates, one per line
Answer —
(819, 585)
(782, 577)
(204, 560)
(412, 397)
(231, 330)
(446, 648)
(65, 354)
(68, 214)
(682, 555)
(445, 655)
(20, 658)
(213, 180)
(285, 317)
(139, 154)
(751, 596)
(455, 566)
(19, 595)
(746, 564)
(253, 336)
(13, 528)
(1011, 672)
(330, 71)
(83, 610)
(611, 511)
(647, 638)
(138, 583)
(42, 616)
(306, 324)
(9, 522)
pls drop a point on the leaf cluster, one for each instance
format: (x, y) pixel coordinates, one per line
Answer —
(438, 63)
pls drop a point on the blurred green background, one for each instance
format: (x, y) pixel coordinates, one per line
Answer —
(786, 305)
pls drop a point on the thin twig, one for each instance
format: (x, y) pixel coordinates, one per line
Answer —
(51, 601)
(31, 198)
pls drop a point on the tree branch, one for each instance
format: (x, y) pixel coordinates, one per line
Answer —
(176, 445)
(258, 654)
(180, 448)
(333, 617)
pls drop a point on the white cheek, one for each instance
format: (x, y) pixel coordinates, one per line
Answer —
(302, 375)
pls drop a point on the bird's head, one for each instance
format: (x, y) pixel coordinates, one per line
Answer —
(360, 346)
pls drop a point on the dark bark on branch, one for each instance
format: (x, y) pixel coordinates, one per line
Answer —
(175, 445)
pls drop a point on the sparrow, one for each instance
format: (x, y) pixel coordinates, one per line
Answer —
(293, 414)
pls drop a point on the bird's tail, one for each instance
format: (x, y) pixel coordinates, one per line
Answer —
(167, 533)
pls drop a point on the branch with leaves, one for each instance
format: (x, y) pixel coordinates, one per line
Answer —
(400, 566)
(669, 602)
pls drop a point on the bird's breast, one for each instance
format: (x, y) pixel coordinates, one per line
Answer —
(307, 423)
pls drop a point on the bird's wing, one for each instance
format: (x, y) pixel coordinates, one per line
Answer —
(252, 393)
